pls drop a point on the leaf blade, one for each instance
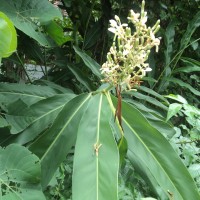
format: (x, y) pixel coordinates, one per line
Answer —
(155, 156)
(58, 140)
(97, 177)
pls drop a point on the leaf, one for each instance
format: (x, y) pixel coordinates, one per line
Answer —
(53, 85)
(96, 160)
(89, 62)
(192, 26)
(153, 93)
(42, 113)
(183, 84)
(56, 33)
(19, 174)
(174, 108)
(191, 65)
(178, 98)
(10, 92)
(154, 118)
(8, 35)
(28, 16)
(156, 160)
(82, 78)
(93, 35)
(169, 41)
(147, 98)
(56, 142)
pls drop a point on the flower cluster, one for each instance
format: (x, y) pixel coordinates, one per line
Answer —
(126, 59)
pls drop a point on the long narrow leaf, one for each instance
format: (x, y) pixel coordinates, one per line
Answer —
(153, 155)
(45, 112)
(96, 155)
(192, 26)
(53, 146)
(89, 62)
(183, 84)
(82, 78)
(28, 93)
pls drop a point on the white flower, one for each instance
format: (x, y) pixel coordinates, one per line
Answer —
(113, 23)
(126, 60)
(134, 17)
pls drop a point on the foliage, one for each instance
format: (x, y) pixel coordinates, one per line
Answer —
(20, 174)
(8, 36)
(64, 123)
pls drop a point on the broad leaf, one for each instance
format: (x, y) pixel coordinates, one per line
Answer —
(20, 173)
(155, 159)
(56, 142)
(96, 155)
(28, 15)
(8, 42)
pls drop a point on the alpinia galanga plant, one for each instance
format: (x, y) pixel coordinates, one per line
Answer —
(53, 122)
(126, 60)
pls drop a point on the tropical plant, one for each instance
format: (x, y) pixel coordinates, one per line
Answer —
(83, 120)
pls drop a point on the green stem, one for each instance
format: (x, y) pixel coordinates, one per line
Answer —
(22, 65)
(107, 93)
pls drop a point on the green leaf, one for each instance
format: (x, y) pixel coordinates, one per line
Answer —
(20, 173)
(89, 62)
(192, 26)
(8, 35)
(153, 93)
(28, 16)
(56, 142)
(169, 42)
(96, 160)
(191, 65)
(56, 33)
(183, 84)
(93, 35)
(10, 92)
(42, 114)
(53, 85)
(153, 156)
(177, 98)
(155, 119)
(147, 98)
(82, 78)
(174, 108)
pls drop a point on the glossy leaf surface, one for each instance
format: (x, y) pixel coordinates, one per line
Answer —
(56, 142)
(155, 159)
(96, 155)
(8, 35)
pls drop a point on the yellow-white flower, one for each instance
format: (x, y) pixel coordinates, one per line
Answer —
(126, 61)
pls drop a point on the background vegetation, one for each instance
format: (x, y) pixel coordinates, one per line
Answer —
(57, 133)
